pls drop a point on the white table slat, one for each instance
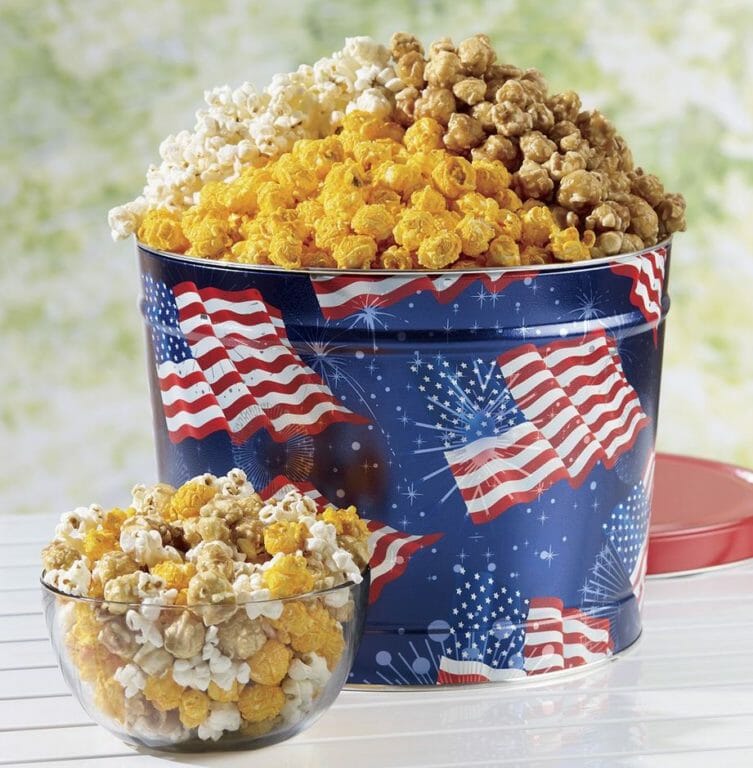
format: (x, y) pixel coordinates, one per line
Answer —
(24, 683)
(20, 554)
(22, 627)
(20, 601)
(683, 697)
(24, 528)
(19, 577)
(26, 654)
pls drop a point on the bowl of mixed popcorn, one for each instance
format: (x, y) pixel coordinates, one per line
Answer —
(206, 617)
(421, 280)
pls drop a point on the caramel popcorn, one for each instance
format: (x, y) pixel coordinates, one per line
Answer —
(205, 614)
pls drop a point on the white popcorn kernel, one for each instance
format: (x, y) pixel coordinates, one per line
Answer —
(223, 716)
(131, 678)
(192, 673)
(146, 631)
(75, 580)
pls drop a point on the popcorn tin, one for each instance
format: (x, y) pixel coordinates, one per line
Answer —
(496, 428)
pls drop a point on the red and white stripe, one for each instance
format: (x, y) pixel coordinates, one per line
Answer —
(585, 639)
(244, 375)
(543, 645)
(647, 271)
(343, 295)
(590, 373)
(557, 638)
(494, 473)
(544, 402)
(280, 486)
(459, 672)
(390, 551)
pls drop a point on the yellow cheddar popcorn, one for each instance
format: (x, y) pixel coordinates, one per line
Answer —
(188, 500)
(396, 257)
(538, 226)
(454, 176)
(294, 620)
(175, 575)
(491, 177)
(428, 199)
(207, 230)
(163, 692)
(216, 693)
(414, 227)
(162, 230)
(375, 220)
(98, 541)
(109, 697)
(261, 702)
(270, 663)
(355, 252)
(193, 707)
(289, 576)
(566, 245)
(503, 252)
(285, 537)
(346, 522)
(424, 135)
(440, 250)
(475, 235)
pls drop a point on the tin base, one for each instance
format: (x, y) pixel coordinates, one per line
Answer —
(532, 681)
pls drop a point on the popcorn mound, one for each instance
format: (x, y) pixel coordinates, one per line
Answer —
(203, 631)
(393, 159)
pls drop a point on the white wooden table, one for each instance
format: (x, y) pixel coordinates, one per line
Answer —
(682, 697)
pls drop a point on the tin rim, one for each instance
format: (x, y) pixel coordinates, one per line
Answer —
(407, 273)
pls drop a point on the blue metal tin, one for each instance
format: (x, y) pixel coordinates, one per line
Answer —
(496, 428)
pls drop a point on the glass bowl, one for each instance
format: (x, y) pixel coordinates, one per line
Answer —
(207, 677)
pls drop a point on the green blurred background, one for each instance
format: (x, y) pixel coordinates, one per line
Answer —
(90, 89)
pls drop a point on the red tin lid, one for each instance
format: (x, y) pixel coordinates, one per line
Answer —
(702, 515)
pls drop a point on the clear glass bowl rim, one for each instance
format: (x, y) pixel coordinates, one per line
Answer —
(349, 585)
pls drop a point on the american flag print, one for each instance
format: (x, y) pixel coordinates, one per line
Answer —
(647, 271)
(496, 634)
(224, 363)
(559, 638)
(390, 550)
(342, 296)
(578, 409)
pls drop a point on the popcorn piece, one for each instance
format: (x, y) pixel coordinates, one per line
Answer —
(74, 580)
(163, 692)
(184, 637)
(193, 708)
(288, 575)
(131, 678)
(222, 717)
(153, 659)
(270, 663)
(188, 500)
(261, 702)
(239, 637)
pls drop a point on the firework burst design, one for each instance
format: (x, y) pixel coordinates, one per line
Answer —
(487, 623)
(469, 401)
(606, 585)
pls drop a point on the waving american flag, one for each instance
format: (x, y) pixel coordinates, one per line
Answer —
(567, 406)
(224, 363)
(342, 296)
(648, 273)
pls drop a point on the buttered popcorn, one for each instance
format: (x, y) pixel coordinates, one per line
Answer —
(331, 165)
(199, 633)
